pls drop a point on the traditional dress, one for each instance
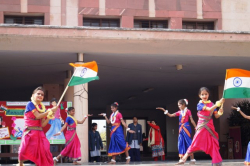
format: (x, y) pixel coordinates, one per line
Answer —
(117, 144)
(156, 142)
(247, 159)
(206, 139)
(72, 148)
(55, 127)
(34, 145)
(184, 139)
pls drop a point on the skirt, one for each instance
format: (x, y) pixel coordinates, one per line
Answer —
(117, 144)
(36, 148)
(55, 128)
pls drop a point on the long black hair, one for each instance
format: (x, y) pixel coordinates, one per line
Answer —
(204, 89)
(115, 104)
(70, 109)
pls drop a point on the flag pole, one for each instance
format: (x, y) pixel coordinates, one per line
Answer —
(65, 90)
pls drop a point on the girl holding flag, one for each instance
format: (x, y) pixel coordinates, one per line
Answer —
(117, 145)
(34, 144)
(184, 138)
(206, 139)
(247, 159)
(72, 147)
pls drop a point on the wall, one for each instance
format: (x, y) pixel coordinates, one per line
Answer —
(71, 12)
(235, 15)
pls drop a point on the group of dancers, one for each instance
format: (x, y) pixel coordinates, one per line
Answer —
(36, 147)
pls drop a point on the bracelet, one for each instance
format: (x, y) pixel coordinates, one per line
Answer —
(220, 113)
(238, 109)
(59, 132)
(104, 115)
(128, 129)
(166, 111)
(85, 116)
(218, 104)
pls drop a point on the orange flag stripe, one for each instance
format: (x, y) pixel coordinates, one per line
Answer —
(91, 65)
(237, 73)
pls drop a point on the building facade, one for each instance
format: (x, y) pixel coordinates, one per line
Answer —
(137, 43)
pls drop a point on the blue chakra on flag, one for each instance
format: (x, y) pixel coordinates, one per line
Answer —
(237, 82)
(83, 72)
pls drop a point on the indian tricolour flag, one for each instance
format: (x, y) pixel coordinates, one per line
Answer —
(84, 73)
(237, 84)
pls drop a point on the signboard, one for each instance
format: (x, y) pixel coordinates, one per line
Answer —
(12, 122)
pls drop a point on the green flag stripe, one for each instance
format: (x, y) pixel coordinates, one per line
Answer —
(236, 93)
(79, 80)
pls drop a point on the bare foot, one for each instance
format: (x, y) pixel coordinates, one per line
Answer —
(128, 161)
(192, 163)
(112, 162)
(180, 163)
(76, 163)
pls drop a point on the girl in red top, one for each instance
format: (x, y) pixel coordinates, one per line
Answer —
(155, 141)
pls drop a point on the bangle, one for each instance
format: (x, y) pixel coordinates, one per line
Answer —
(218, 104)
(220, 113)
(85, 116)
(59, 132)
(128, 129)
(104, 115)
(166, 111)
(238, 109)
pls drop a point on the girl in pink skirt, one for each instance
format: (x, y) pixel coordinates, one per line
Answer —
(72, 148)
(206, 139)
(34, 144)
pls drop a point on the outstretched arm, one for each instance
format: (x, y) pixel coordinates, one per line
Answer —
(153, 126)
(218, 104)
(104, 115)
(242, 113)
(168, 114)
(82, 121)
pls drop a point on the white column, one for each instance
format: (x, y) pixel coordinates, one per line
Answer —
(24, 6)
(72, 12)
(55, 12)
(69, 96)
(199, 9)
(151, 4)
(81, 107)
(102, 7)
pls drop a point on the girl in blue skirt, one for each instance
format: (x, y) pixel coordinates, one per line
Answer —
(117, 144)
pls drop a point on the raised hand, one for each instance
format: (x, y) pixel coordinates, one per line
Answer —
(160, 108)
(102, 114)
(148, 122)
(90, 115)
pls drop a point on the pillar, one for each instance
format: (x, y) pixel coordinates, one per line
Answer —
(81, 108)
(69, 96)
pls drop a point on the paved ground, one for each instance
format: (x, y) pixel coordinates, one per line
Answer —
(152, 163)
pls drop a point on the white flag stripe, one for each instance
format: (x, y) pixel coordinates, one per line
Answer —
(84, 72)
(234, 82)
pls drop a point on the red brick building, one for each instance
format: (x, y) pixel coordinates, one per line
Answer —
(137, 44)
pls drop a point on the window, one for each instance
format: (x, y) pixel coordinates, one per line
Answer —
(198, 25)
(38, 20)
(150, 24)
(96, 22)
